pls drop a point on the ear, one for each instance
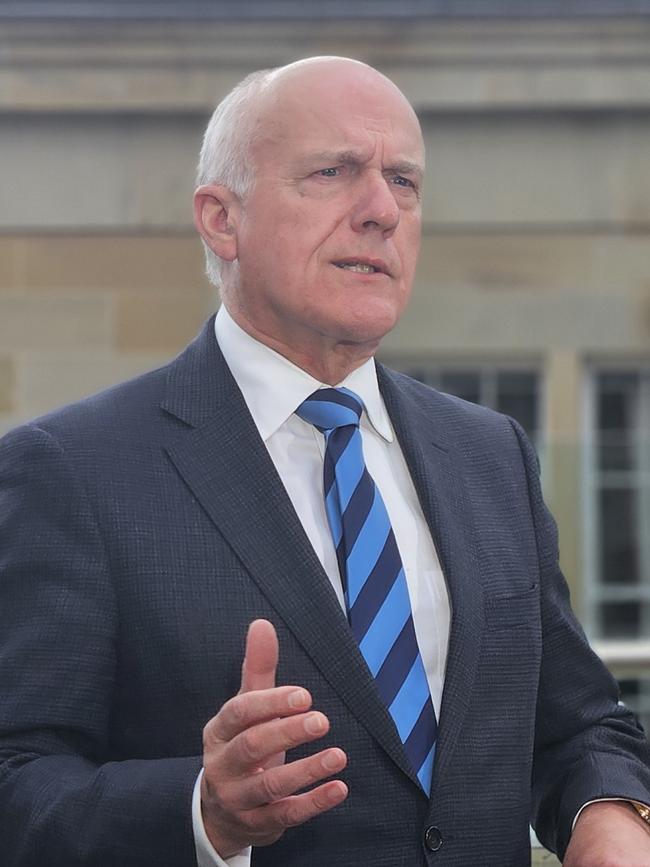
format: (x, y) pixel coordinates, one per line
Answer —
(215, 215)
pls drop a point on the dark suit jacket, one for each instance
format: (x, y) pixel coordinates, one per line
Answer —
(141, 531)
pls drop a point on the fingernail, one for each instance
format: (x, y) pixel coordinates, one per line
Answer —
(334, 794)
(331, 761)
(314, 723)
(298, 698)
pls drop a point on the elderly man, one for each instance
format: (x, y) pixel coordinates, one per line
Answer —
(414, 686)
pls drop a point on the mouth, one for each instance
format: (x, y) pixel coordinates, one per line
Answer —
(363, 266)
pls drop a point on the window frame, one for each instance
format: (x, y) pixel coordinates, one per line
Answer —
(595, 592)
(487, 370)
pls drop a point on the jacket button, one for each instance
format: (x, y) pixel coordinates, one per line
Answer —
(432, 838)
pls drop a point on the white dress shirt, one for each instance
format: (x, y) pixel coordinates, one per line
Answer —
(273, 388)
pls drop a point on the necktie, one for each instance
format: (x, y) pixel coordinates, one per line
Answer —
(376, 592)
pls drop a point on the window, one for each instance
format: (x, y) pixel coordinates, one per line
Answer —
(511, 390)
(618, 478)
(617, 532)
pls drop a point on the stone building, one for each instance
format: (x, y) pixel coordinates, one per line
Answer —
(533, 293)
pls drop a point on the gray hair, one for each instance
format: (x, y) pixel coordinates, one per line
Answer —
(225, 156)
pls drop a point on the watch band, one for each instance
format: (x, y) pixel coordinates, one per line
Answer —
(642, 810)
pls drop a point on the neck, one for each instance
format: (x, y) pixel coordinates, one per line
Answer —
(331, 367)
(327, 361)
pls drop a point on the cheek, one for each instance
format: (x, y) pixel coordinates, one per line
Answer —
(409, 252)
(296, 241)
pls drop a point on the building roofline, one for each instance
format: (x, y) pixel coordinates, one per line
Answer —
(296, 10)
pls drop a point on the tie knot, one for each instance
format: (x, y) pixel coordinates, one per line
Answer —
(330, 408)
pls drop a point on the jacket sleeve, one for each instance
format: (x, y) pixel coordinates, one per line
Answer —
(588, 745)
(63, 802)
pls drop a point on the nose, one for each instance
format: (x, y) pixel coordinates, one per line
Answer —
(375, 207)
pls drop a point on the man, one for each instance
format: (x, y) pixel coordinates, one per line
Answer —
(144, 532)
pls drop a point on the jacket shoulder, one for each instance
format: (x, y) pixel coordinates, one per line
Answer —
(128, 410)
(457, 417)
(121, 406)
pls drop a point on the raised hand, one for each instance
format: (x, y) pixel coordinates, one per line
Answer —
(248, 791)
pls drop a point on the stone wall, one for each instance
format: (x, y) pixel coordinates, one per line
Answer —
(537, 205)
(536, 209)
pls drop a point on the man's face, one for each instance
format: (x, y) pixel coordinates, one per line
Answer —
(328, 238)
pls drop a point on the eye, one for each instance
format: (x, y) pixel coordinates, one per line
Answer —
(331, 172)
(401, 181)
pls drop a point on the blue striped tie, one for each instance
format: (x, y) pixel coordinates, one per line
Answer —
(373, 577)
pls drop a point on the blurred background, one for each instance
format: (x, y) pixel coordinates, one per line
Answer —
(533, 293)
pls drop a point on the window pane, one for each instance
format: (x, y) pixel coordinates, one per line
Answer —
(517, 397)
(620, 620)
(630, 690)
(514, 392)
(422, 374)
(619, 536)
(619, 478)
(465, 384)
(636, 695)
(617, 418)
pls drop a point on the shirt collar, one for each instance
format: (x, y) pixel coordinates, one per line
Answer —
(273, 386)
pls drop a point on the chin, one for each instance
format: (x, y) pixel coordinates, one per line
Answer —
(376, 319)
(367, 330)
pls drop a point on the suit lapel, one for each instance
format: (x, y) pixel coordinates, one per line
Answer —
(436, 470)
(224, 462)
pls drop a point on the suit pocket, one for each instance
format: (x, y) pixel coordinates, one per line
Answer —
(508, 610)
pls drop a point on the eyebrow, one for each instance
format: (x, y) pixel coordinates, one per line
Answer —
(403, 167)
(406, 168)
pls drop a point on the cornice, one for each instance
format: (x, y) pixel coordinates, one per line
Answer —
(301, 10)
(445, 65)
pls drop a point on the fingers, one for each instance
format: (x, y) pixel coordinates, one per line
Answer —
(247, 800)
(300, 808)
(253, 747)
(261, 657)
(278, 783)
(251, 708)
(248, 793)
(267, 823)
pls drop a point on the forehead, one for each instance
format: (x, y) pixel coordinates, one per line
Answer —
(335, 111)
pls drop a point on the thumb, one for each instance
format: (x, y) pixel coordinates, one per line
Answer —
(261, 657)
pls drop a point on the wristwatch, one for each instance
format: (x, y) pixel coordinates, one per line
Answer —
(642, 810)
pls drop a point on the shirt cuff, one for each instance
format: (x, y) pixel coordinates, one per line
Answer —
(595, 801)
(206, 855)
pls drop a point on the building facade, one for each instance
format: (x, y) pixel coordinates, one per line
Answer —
(533, 292)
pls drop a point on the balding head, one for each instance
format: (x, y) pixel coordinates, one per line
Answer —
(321, 232)
(330, 72)
(251, 112)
